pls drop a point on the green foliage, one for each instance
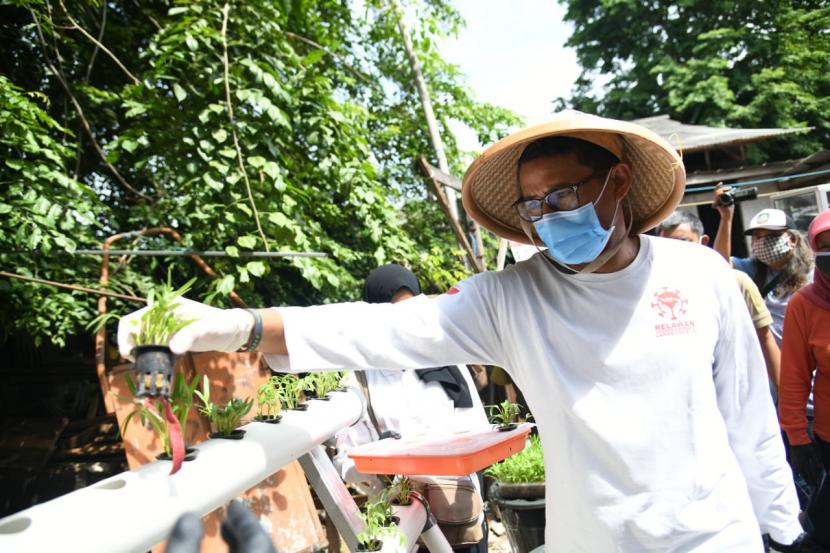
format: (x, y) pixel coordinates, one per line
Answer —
(742, 64)
(268, 400)
(400, 490)
(324, 382)
(377, 515)
(181, 401)
(325, 115)
(43, 213)
(528, 465)
(505, 413)
(160, 322)
(290, 389)
(223, 419)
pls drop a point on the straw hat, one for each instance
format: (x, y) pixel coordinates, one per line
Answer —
(658, 175)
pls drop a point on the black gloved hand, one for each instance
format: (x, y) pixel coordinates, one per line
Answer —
(240, 530)
(806, 463)
(186, 536)
(800, 545)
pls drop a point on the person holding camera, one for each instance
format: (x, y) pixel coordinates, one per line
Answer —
(780, 262)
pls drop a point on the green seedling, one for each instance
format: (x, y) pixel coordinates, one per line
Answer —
(323, 383)
(160, 322)
(528, 465)
(181, 401)
(380, 524)
(268, 400)
(401, 489)
(504, 414)
(290, 389)
(223, 419)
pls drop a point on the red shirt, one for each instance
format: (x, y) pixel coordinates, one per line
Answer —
(805, 350)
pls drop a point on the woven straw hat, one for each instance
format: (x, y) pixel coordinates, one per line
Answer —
(658, 176)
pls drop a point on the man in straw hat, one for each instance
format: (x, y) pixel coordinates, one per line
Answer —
(634, 353)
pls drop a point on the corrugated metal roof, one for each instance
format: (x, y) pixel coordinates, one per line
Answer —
(695, 138)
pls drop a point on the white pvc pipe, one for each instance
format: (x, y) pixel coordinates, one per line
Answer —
(135, 510)
(412, 519)
(435, 541)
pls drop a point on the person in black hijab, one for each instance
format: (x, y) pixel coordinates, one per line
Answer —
(392, 283)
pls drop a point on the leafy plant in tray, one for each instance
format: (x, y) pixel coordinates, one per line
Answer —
(380, 524)
(505, 415)
(323, 383)
(401, 488)
(154, 362)
(268, 403)
(290, 390)
(223, 420)
(180, 403)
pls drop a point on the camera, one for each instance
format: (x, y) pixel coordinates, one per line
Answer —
(739, 195)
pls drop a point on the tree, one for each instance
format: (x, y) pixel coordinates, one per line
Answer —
(256, 125)
(742, 64)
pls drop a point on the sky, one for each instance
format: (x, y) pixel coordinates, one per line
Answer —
(513, 54)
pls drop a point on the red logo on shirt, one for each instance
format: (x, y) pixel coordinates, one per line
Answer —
(671, 306)
(452, 291)
(669, 303)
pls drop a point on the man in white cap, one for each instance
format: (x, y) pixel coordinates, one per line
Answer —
(634, 353)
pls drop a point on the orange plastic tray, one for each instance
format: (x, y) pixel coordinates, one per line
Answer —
(452, 455)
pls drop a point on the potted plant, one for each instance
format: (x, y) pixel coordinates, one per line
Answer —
(323, 383)
(381, 524)
(290, 389)
(505, 415)
(401, 489)
(519, 496)
(268, 403)
(181, 400)
(154, 361)
(223, 420)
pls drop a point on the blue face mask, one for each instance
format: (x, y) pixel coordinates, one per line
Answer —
(576, 236)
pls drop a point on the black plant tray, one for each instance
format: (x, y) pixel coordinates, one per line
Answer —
(272, 420)
(300, 407)
(507, 428)
(235, 435)
(190, 454)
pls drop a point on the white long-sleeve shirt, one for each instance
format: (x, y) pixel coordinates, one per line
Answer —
(647, 386)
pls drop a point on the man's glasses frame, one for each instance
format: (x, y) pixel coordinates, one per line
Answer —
(562, 198)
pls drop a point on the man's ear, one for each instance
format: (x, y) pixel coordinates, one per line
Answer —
(704, 240)
(621, 179)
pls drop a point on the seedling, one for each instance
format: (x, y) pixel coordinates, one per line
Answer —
(225, 419)
(401, 489)
(505, 415)
(154, 362)
(380, 524)
(527, 465)
(268, 402)
(181, 401)
(290, 389)
(324, 383)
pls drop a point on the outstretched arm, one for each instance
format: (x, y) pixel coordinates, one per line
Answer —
(745, 403)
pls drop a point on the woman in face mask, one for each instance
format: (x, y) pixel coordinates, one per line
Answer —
(780, 262)
(806, 354)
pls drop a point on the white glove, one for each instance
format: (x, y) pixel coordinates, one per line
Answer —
(212, 330)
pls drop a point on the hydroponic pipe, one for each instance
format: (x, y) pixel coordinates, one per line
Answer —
(135, 510)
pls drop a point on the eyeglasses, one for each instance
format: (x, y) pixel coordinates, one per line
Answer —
(564, 198)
